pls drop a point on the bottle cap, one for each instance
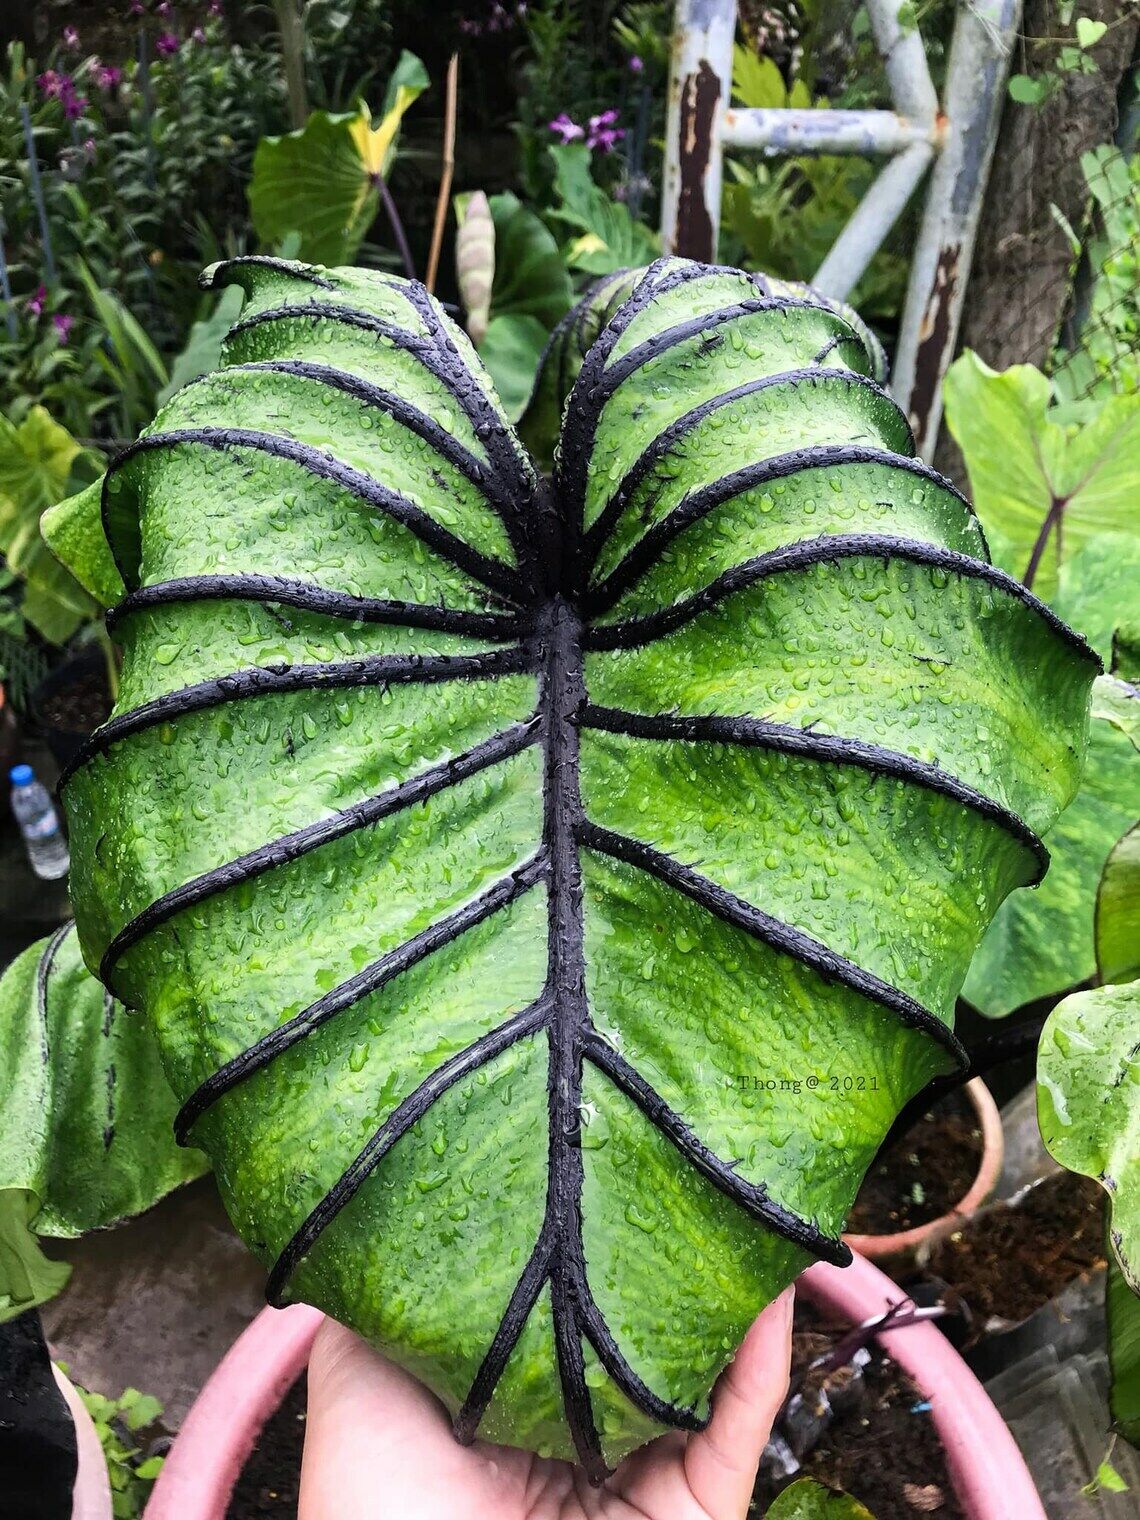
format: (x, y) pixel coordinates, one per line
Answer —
(21, 775)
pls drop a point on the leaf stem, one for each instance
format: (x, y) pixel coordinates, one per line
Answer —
(397, 226)
(1053, 520)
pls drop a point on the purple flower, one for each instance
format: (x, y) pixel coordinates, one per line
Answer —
(636, 64)
(163, 9)
(137, 8)
(214, 8)
(35, 304)
(73, 105)
(566, 129)
(52, 85)
(70, 37)
(106, 76)
(167, 45)
(604, 132)
(62, 324)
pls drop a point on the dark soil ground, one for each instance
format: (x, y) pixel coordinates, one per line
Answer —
(271, 1480)
(923, 1174)
(1010, 1261)
(882, 1448)
(78, 707)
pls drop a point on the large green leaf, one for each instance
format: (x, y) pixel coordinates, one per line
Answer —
(73, 531)
(562, 358)
(530, 278)
(37, 459)
(1041, 490)
(1042, 942)
(323, 181)
(512, 349)
(546, 895)
(86, 1139)
(1098, 587)
(1088, 1103)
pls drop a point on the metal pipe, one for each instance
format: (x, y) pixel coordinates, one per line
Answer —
(984, 36)
(6, 289)
(904, 58)
(796, 132)
(871, 220)
(700, 85)
(37, 190)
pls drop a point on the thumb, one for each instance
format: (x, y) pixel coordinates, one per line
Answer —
(721, 1462)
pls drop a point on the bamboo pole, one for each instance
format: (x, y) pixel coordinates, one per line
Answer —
(449, 114)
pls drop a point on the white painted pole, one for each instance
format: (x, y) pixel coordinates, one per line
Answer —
(700, 83)
(974, 95)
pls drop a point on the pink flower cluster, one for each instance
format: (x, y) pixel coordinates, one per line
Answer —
(62, 323)
(106, 75)
(499, 19)
(61, 87)
(602, 133)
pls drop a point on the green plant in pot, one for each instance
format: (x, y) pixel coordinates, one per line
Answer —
(508, 865)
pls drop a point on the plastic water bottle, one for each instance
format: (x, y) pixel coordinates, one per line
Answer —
(39, 824)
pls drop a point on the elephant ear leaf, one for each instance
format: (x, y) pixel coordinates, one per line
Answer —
(547, 893)
(571, 340)
(86, 1139)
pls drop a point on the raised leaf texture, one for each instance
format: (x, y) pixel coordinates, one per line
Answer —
(546, 894)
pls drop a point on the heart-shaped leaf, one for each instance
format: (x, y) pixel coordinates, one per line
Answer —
(1042, 943)
(1043, 491)
(323, 181)
(1088, 1103)
(547, 893)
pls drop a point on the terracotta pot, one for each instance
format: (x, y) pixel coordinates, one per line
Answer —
(988, 1472)
(904, 1243)
(91, 1496)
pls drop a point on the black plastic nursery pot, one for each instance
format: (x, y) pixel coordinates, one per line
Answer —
(70, 703)
(1027, 1271)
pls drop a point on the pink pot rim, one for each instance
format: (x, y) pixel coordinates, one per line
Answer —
(988, 1471)
(226, 1418)
(91, 1492)
(883, 1247)
(986, 1466)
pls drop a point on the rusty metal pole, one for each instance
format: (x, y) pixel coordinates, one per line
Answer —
(700, 81)
(974, 93)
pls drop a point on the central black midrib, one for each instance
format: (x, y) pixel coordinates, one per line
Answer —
(562, 695)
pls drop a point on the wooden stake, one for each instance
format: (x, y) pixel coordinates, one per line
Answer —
(447, 171)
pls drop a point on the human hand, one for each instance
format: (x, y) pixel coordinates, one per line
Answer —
(379, 1446)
